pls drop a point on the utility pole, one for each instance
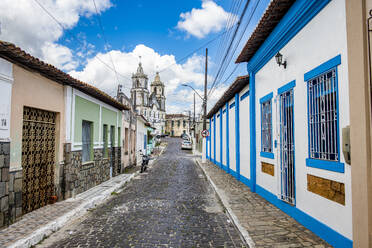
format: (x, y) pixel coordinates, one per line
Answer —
(194, 108)
(204, 148)
(205, 91)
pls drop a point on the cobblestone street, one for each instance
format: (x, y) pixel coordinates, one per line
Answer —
(171, 205)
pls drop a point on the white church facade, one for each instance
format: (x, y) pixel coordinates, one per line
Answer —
(150, 104)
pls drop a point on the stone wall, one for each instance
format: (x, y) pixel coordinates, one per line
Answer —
(15, 195)
(4, 183)
(332, 190)
(79, 177)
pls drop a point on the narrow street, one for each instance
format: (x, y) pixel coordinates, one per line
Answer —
(171, 205)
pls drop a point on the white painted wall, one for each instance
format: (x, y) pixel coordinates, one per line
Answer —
(322, 39)
(6, 81)
(141, 132)
(212, 138)
(224, 137)
(218, 141)
(244, 135)
(232, 156)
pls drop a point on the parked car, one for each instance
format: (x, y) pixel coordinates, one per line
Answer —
(186, 145)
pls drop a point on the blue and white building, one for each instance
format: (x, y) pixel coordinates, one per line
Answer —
(279, 129)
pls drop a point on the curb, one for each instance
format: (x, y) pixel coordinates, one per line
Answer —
(45, 231)
(244, 233)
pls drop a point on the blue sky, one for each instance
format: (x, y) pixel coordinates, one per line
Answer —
(161, 32)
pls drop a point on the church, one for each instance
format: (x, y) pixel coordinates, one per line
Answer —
(149, 104)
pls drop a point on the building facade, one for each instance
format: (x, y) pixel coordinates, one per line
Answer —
(177, 124)
(58, 136)
(150, 104)
(129, 122)
(279, 129)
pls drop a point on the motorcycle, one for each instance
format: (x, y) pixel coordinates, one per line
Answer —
(145, 162)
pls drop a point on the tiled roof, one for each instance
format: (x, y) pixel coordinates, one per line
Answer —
(171, 116)
(237, 86)
(17, 56)
(272, 16)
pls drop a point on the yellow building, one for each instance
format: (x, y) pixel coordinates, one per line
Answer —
(177, 124)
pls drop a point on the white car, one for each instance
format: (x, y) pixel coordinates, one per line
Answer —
(186, 145)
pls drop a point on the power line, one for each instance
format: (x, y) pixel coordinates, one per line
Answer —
(196, 50)
(105, 40)
(76, 38)
(231, 42)
(236, 46)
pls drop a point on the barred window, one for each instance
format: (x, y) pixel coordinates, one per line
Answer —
(87, 141)
(323, 119)
(266, 127)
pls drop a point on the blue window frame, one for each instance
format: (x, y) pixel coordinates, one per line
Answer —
(266, 126)
(323, 117)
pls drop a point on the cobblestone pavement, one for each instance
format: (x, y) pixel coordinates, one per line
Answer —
(171, 205)
(267, 225)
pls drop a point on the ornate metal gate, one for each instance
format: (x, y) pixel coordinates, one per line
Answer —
(287, 162)
(38, 157)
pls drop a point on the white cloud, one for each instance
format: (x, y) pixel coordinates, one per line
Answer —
(26, 24)
(126, 63)
(200, 22)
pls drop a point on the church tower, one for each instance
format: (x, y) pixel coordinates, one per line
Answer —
(157, 88)
(139, 91)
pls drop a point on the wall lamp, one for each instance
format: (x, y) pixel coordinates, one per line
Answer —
(279, 60)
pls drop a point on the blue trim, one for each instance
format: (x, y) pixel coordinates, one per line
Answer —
(210, 138)
(266, 98)
(326, 165)
(267, 155)
(323, 68)
(227, 139)
(323, 231)
(221, 136)
(232, 105)
(301, 13)
(237, 134)
(336, 166)
(252, 129)
(287, 87)
(234, 174)
(218, 115)
(224, 111)
(214, 139)
(244, 95)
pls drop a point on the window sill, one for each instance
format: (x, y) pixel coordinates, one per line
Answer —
(326, 165)
(267, 155)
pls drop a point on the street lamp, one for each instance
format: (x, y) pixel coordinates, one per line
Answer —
(186, 85)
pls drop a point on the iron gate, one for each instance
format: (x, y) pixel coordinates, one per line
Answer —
(38, 157)
(287, 192)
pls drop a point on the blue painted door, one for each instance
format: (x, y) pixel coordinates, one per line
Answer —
(287, 162)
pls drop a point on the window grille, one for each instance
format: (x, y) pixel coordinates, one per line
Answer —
(323, 120)
(266, 127)
(87, 141)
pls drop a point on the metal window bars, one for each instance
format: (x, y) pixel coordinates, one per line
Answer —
(266, 128)
(323, 123)
(287, 173)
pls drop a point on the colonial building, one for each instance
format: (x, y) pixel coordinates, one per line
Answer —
(282, 128)
(177, 124)
(58, 135)
(150, 104)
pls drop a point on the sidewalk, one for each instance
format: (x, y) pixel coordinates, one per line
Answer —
(39, 224)
(260, 223)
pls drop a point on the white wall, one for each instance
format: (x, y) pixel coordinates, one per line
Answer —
(224, 137)
(141, 131)
(244, 135)
(218, 140)
(320, 40)
(232, 156)
(212, 138)
(6, 80)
